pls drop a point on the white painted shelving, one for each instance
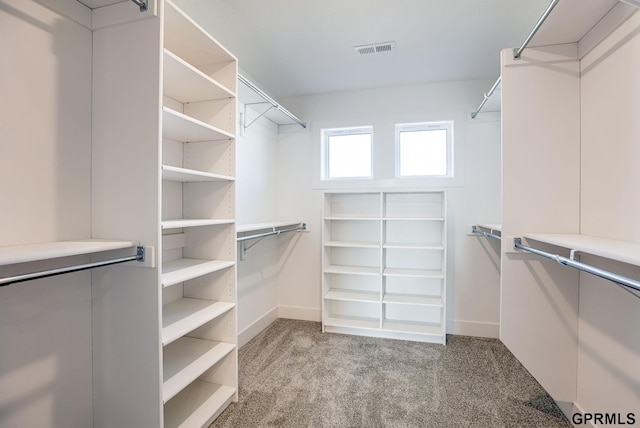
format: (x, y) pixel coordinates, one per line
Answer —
(50, 250)
(384, 264)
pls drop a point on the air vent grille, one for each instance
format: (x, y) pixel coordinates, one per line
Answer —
(375, 48)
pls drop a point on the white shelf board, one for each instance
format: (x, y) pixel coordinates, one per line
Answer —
(184, 175)
(413, 218)
(352, 244)
(413, 246)
(51, 250)
(352, 218)
(194, 222)
(180, 127)
(622, 251)
(352, 322)
(271, 225)
(491, 226)
(182, 270)
(413, 273)
(413, 299)
(184, 315)
(352, 295)
(353, 270)
(190, 41)
(197, 405)
(186, 359)
(431, 329)
(187, 84)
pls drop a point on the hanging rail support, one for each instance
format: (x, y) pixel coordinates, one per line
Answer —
(142, 4)
(260, 236)
(68, 269)
(474, 229)
(517, 52)
(613, 277)
(486, 97)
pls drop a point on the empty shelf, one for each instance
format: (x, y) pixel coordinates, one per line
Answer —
(431, 329)
(272, 225)
(182, 270)
(193, 222)
(197, 405)
(51, 250)
(186, 359)
(180, 127)
(353, 295)
(413, 246)
(415, 273)
(347, 218)
(622, 251)
(184, 175)
(353, 270)
(351, 322)
(414, 218)
(184, 315)
(352, 244)
(413, 299)
(187, 84)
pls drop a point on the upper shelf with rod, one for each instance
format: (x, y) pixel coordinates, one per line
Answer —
(265, 106)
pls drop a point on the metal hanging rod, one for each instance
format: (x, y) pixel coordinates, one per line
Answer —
(139, 256)
(486, 97)
(517, 52)
(476, 229)
(260, 236)
(142, 4)
(268, 100)
(545, 15)
(571, 262)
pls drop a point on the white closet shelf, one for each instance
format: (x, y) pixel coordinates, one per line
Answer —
(352, 244)
(184, 175)
(184, 315)
(491, 226)
(413, 273)
(185, 83)
(192, 406)
(51, 250)
(413, 246)
(186, 359)
(194, 222)
(622, 251)
(190, 41)
(431, 329)
(413, 299)
(352, 295)
(352, 270)
(413, 218)
(352, 322)
(270, 225)
(180, 127)
(352, 218)
(181, 270)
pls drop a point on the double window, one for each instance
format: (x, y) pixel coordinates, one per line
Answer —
(422, 150)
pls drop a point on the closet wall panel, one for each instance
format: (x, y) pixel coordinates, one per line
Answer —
(540, 192)
(609, 348)
(45, 186)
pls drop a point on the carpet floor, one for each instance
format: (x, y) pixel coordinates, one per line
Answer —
(293, 375)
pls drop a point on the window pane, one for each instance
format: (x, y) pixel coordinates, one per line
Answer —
(423, 152)
(349, 155)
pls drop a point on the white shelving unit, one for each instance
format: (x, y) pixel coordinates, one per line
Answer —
(50, 250)
(198, 276)
(384, 264)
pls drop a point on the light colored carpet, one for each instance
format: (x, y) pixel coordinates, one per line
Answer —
(293, 375)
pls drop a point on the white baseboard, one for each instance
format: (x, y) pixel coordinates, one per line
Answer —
(472, 328)
(299, 313)
(257, 326)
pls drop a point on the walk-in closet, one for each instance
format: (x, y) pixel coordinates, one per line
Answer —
(230, 213)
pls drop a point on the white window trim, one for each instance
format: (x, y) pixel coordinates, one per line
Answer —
(326, 133)
(426, 126)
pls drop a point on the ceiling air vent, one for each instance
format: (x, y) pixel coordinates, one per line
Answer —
(376, 48)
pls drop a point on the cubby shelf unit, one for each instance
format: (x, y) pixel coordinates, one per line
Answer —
(198, 266)
(384, 264)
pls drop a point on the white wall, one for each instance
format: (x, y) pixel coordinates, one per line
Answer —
(256, 199)
(609, 342)
(473, 294)
(45, 183)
